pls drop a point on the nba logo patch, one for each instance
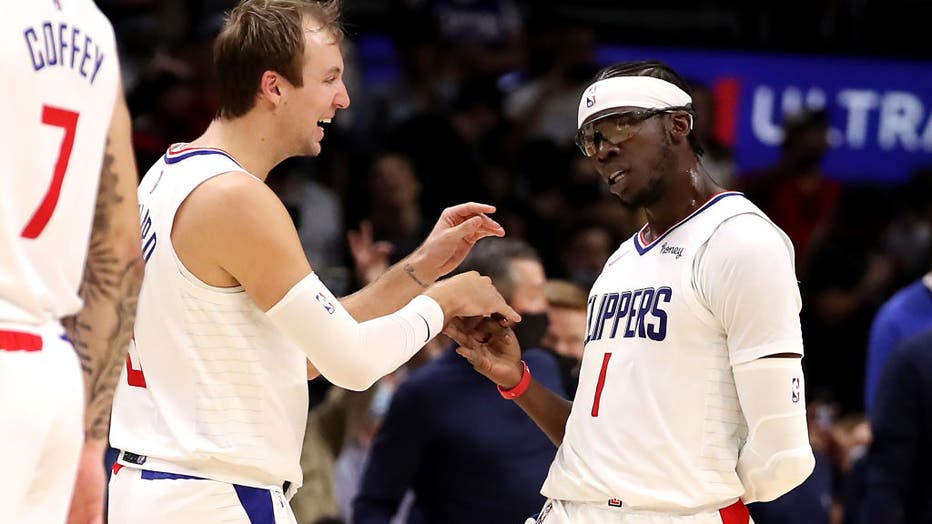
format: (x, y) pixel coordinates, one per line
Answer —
(326, 303)
(590, 97)
(794, 394)
(615, 503)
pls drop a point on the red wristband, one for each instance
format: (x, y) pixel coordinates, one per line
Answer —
(518, 390)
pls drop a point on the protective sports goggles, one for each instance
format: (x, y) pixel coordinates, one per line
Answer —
(614, 128)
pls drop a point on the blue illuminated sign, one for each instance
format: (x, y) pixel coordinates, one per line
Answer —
(880, 110)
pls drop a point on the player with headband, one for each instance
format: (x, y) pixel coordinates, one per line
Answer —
(691, 394)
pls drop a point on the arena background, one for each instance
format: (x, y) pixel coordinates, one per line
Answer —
(476, 99)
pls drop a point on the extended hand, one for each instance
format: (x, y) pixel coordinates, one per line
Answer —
(370, 257)
(470, 295)
(457, 230)
(490, 346)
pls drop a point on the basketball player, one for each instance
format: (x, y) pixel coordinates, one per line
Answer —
(64, 143)
(691, 395)
(211, 410)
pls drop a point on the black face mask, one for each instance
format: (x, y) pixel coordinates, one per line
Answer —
(569, 372)
(531, 330)
(569, 365)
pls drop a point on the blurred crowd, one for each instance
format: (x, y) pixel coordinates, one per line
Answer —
(483, 108)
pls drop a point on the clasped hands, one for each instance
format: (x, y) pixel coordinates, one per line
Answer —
(489, 344)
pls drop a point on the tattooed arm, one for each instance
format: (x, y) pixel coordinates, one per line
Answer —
(101, 331)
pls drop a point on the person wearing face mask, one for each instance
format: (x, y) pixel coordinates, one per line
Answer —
(566, 330)
(435, 439)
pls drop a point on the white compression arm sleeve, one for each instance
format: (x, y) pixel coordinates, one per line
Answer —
(351, 354)
(776, 457)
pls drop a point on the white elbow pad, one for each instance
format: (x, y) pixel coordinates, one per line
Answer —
(351, 354)
(776, 457)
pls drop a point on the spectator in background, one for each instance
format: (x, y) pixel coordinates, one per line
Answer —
(909, 237)
(898, 486)
(585, 248)
(448, 150)
(545, 107)
(317, 213)
(566, 329)
(354, 452)
(904, 315)
(485, 37)
(340, 427)
(427, 79)
(435, 438)
(395, 205)
(794, 192)
(168, 102)
(849, 276)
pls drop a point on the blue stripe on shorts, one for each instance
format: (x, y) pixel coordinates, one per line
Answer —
(256, 501)
(258, 504)
(161, 475)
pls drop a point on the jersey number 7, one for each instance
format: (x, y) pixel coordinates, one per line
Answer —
(67, 120)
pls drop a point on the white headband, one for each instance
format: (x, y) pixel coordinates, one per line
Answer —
(630, 91)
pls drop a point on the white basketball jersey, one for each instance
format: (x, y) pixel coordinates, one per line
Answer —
(656, 423)
(61, 75)
(211, 388)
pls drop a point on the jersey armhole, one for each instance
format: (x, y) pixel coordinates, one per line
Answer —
(183, 271)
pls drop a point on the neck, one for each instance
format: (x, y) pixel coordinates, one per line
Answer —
(248, 139)
(686, 194)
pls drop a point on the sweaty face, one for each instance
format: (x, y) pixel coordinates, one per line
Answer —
(305, 108)
(635, 164)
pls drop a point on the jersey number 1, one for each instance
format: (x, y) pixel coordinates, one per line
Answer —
(600, 385)
(67, 120)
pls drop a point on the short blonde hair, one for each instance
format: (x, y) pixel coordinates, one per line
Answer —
(566, 295)
(265, 35)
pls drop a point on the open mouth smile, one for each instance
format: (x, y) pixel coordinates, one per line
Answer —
(615, 177)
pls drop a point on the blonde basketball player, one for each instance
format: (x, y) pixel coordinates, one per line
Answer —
(64, 145)
(211, 410)
(691, 394)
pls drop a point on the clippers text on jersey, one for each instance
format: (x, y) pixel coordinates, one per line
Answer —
(629, 314)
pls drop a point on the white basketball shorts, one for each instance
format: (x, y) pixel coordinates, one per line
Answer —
(565, 512)
(141, 496)
(41, 424)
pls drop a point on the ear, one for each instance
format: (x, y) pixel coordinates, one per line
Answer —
(270, 87)
(681, 125)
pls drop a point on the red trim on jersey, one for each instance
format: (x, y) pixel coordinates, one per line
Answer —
(18, 341)
(181, 148)
(737, 513)
(644, 245)
(117, 467)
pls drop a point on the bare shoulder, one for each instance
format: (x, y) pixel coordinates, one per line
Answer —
(230, 201)
(225, 221)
